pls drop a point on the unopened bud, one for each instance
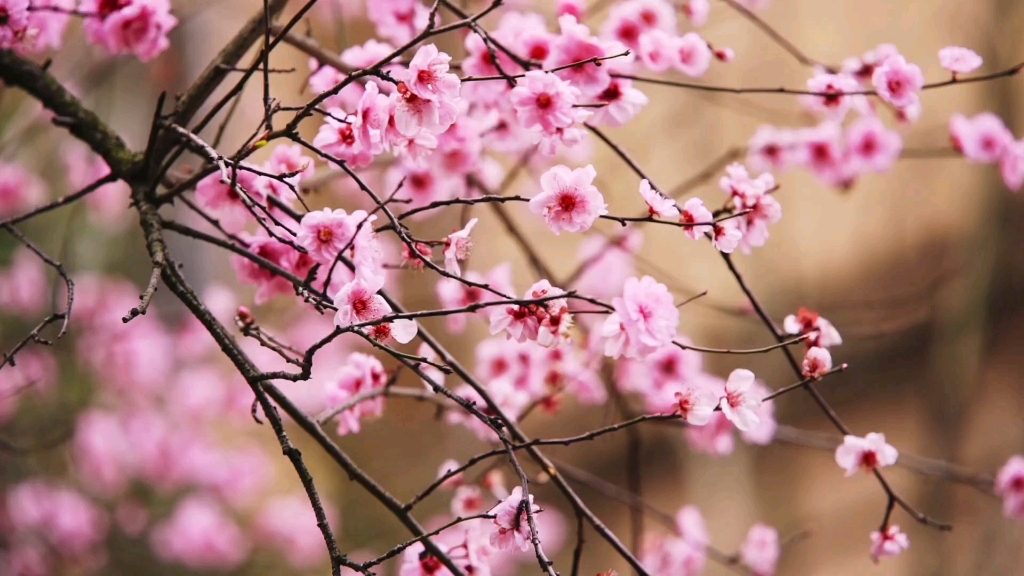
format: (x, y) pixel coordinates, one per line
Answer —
(244, 317)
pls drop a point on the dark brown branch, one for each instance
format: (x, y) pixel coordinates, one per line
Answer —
(62, 201)
(81, 122)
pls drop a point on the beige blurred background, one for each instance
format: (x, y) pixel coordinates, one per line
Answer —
(919, 269)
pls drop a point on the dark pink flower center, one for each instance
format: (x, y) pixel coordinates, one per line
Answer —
(544, 101)
(567, 202)
(611, 93)
(629, 32)
(107, 7)
(869, 459)
(429, 564)
(325, 235)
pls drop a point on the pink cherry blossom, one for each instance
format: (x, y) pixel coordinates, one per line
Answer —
(456, 247)
(291, 159)
(467, 501)
(569, 201)
(607, 263)
(519, 322)
(413, 114)
(982, 138)
(660, 375)
(1009, 485)
(862, 68)
(35, 372)
(130, 26)
(479, 61)
(741, 400)
(657, 203)
(20, 190)
(693, 55)
(433, 376)
(269, 284)
(398, 20)
(450, 465)
(726, 55)
(837, 95)
(760, 550)
(359, 302)
(690, 525)
(727, 236)
(23, 286)
(959, 60)
(645, 319)
(339, 137)
(555, 320)
(891, 542)
(622, 102)
(575, 7)
(420, 185)
(67, 520)
(324, 233)
(359, 374)
(752, 195)
(715, 438)
(696, 405)
(869, 453)
(512, 529)
(629, 21)
(15, 22)
(547, 322)
(775, 149)
(455, 294)
(576, 44)
(824, 152)
(102, 452)
(764, 433)
(46, 27)
(897, 81)
(657, 50)
(697, 11)
(366, 54)
(817, 362)
(227, 201)
(871, 146)
(694, 212)
(107, 203)
(200, 536)
(417, 561)
(670, 555)
(428, 76)
(544, 101)
(820, 331)
(1011, 165)
(288, 525)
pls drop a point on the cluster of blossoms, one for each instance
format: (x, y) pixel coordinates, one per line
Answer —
(162, 421)
(685, 551)
(137, 27)
(430, 138)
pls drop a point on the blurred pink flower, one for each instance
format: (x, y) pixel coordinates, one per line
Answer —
(201, 536)
(868, 453)
(761, 550)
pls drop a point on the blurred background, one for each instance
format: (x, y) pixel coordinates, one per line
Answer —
(919, 269)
